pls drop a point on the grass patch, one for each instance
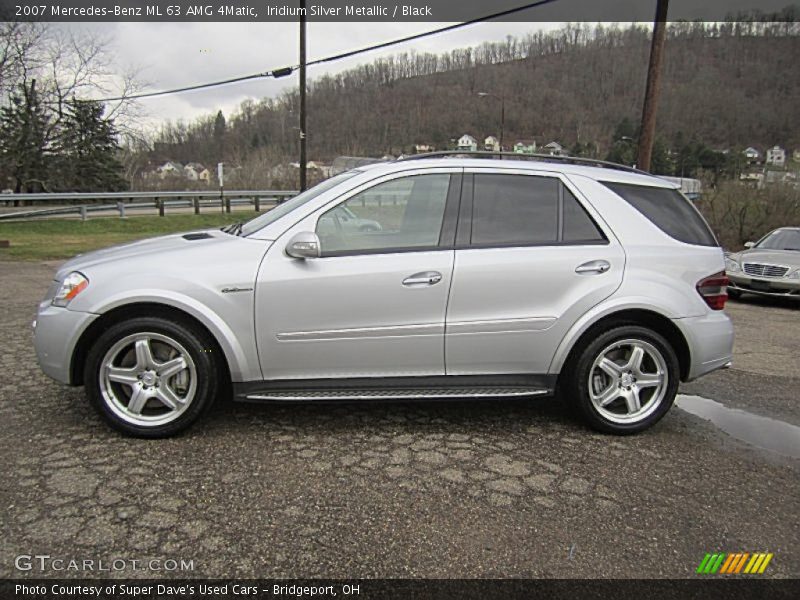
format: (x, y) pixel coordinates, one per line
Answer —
(61, 239)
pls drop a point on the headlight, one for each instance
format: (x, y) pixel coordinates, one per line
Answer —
(794, 274)
(73, 284)
(732, 266)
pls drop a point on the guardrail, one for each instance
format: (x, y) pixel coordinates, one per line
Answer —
(82, 204)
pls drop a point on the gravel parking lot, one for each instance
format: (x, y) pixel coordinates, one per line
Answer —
(457, 489)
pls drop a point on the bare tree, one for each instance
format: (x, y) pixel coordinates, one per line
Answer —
(20, 53)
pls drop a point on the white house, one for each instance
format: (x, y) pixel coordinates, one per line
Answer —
(554, 148)
(467, 142)
(204, 176)
(751, 154)
(776, 156)
(525, 147)
(170, 169)
(420, 148)
(492, 144)
(192, 171)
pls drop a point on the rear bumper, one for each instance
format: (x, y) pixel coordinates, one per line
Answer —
(710, 340)
(56, 332)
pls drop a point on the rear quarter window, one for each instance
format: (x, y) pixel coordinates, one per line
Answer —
(668, 210)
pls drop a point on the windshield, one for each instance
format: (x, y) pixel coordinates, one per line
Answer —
(276, 213)
(781, 239)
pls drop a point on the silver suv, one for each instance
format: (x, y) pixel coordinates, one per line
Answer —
(476, 278)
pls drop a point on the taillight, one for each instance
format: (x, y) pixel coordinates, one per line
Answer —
(714, 290)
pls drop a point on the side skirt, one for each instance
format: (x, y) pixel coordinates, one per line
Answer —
(445, 387)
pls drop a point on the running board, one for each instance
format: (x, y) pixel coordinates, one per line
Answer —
(300, 395)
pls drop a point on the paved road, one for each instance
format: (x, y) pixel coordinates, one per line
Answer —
(478, 489)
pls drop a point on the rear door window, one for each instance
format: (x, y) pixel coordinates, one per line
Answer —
(528, 210)
(668, 210)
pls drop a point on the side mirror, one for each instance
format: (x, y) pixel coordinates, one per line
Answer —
(749, 244)
(304, 245)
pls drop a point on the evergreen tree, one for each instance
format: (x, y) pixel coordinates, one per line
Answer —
(219, 135)
(623, 143)
(87, 150)
(24, 126)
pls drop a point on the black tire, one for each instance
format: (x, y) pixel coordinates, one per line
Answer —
(188, 341)
(575, 382)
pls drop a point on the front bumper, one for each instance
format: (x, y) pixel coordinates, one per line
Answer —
(765, 286)
(56, 332)
(710, 339)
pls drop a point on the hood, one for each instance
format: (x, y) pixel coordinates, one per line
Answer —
(788, 258)
(153, 246)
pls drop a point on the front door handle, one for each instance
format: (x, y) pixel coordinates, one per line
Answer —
(424, 278)
(595, 267)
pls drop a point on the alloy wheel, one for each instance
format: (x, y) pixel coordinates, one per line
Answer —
(628, 381)
(148, 379)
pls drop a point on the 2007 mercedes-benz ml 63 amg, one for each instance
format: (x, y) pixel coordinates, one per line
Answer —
(430, 277)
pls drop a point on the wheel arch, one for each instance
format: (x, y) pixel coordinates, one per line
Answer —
(134, 310)
(651, 319)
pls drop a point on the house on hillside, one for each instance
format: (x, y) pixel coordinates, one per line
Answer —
(755, 180)
(422, 148)
(796, 155)
(468, 143)
(170, 169)
(192, 171)
(554, 149)
(204, 176)
(345, 163)
(492, 144)
(752, 155)
(323, 168)
(776, 156)
(525, 147)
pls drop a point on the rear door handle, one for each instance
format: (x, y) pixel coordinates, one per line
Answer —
(424, 278)
(593, 267)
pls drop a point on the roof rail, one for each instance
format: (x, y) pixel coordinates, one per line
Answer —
(575, 160)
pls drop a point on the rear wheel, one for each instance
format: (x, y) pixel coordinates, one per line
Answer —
(624, 380)
(150, 377)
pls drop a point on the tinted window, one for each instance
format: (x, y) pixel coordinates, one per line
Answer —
(400, 214)
(514, 209)
(578, 225)
(669, 210)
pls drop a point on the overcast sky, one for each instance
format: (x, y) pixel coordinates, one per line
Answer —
(177, 54)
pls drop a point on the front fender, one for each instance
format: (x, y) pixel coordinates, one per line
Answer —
(228, 318)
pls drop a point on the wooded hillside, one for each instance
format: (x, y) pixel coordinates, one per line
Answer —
(728, 86)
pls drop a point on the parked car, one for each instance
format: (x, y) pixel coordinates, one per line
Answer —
(769, 267)
(486, 278)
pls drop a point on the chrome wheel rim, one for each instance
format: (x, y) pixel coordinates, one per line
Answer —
(628, 381)
(148, 379)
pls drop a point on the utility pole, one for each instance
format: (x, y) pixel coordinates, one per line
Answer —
(303, 159)
(648, 128)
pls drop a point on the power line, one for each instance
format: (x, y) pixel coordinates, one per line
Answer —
(284, 71)
(430, 33)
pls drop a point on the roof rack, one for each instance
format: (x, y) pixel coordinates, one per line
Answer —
(574, 160)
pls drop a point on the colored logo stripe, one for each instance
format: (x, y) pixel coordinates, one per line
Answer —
(732, 563)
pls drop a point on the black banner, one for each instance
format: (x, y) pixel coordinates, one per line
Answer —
(391, 589)
(391, 10)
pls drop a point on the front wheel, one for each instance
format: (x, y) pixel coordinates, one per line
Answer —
(624, 380)
(150, 377)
